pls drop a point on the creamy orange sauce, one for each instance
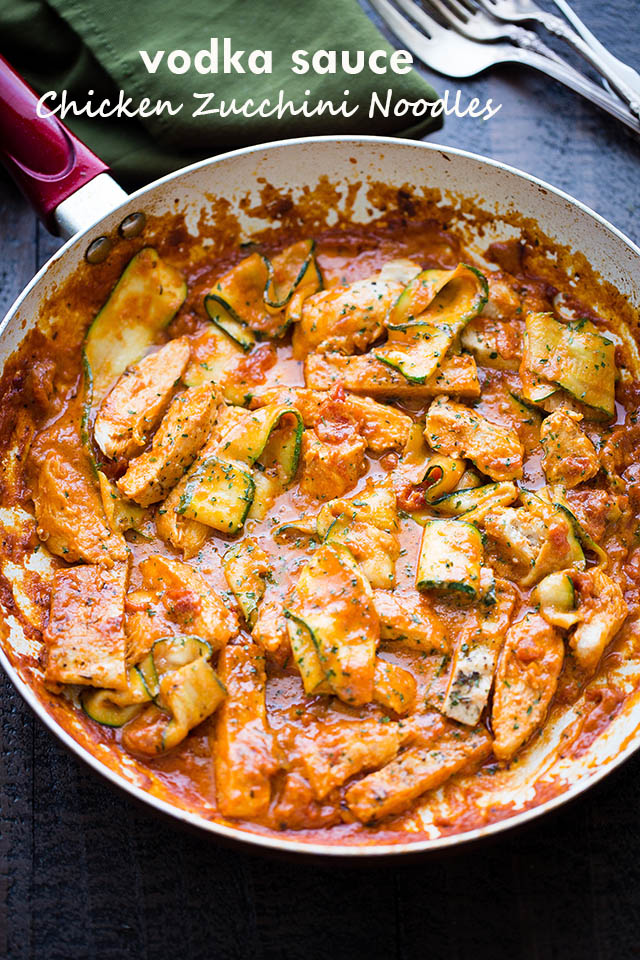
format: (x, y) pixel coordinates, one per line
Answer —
(185, 776)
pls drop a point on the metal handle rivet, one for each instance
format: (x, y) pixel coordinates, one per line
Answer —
(98, 250)
(132, 225)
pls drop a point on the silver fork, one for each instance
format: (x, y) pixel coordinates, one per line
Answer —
(472, 22)
(623, 69)
(449, 53)
(519, 10)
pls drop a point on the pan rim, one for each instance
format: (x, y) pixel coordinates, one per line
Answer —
(236, 834)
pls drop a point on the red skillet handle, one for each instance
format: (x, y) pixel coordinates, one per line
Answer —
(44, 158)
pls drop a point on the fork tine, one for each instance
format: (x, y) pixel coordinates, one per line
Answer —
(447, 11)
(440, 48)
(412, 39)
(422, 18)
(467, 6)
(464, 8)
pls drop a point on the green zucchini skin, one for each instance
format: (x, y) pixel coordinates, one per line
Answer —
(574, 356)
(526, 406)
(143, 302)
(225, 355)
(221, 490)
(245, 567)
(194, 690)
(308, 265)
(333, 602)
(198, 502)
(557, 589)
(460, 502)
(379, 566)
(232, 309)
(107, 714)
(574, 555)
(419, 357)
(450, 559)
(401, 315)
(166, 655)
(114, 708)
(585, 348)
(225, 319)
(586, 541)
(305, 649)
(441, 477)
(416, 297)
(418, 344)
(253, 438)
(556, 598)
(302, 529)
(149, 676)
(366, 525)
(289, 453)
(191, 704)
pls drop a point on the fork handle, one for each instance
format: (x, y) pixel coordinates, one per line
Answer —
(558, 27)
(577, 81)
(627, 73)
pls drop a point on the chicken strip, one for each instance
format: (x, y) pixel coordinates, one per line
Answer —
(180, 436)
(85, 639)
(345, 318)
(244, 758)
(394, 688)
(69, 512)
(456, 430)
(476, 655)
(393, 788)
(331, 469)
(383, 427)
(189, 600)
(366, 374)
(602, 612)
(408, 618)
(331, 754)
(130, 412)
(569, 456)
(526, 680)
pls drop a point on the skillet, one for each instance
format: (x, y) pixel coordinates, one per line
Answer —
(247, 192)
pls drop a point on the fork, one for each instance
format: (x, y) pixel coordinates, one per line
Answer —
(453, 55)
(518, 10)
(472, 22)
(623, 69)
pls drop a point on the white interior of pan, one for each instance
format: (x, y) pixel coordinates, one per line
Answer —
(294, 166)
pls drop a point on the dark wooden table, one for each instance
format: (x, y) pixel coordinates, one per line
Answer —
(86, 874)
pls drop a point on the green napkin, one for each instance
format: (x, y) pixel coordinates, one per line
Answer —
(81, 45)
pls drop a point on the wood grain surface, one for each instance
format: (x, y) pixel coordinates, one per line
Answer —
(84, 873)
